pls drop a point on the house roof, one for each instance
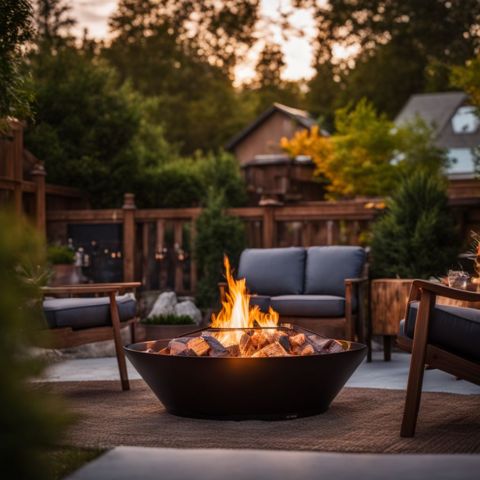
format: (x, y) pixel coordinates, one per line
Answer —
(436, 109)
(302, 117)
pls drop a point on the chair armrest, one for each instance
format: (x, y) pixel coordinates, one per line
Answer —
(356, 280)
(84, 288)
(443, 291)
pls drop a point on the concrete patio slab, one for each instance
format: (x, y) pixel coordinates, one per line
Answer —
(127, 463)
(377, 374)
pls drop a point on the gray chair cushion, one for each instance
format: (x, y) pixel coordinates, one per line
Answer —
(262, 301)
(328, 267)
(79, 313)
(273, 271)
(309, 305)
(455, 329)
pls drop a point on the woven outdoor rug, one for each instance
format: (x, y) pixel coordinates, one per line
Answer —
(359, 420)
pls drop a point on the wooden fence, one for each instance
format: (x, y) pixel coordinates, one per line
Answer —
(153, 236)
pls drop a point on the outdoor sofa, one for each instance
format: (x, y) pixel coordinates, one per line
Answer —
(320, 288)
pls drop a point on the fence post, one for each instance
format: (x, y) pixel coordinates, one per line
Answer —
(18, 167)
(129, 237)
(268, 226)
(38, 174)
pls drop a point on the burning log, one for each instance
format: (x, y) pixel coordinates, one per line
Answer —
(216, 348)
(297, 340)
(272, 350)
(246, 346)
(259, 339)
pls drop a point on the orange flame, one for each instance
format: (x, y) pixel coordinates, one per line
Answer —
(236, 311)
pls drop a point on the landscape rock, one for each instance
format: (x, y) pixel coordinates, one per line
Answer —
(164, 305)
(190, 309)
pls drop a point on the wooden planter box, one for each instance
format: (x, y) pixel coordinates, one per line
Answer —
(145, 332)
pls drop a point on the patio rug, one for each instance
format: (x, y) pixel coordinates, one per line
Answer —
(359, 420)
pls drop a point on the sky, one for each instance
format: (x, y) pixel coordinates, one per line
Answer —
(297, 49)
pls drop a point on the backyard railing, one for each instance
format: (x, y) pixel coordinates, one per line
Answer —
(158, 243)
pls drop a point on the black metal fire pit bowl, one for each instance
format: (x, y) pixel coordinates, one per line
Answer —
(270, 388)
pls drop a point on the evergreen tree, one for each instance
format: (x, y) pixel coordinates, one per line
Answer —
(417, 236)
(53, 23)
(218, 234)
(15, 31)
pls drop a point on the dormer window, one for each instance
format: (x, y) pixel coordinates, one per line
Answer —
(465, 120)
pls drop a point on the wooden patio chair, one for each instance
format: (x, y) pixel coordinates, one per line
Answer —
(440, 336)
(74, 322)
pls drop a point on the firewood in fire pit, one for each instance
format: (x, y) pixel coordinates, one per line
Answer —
(246, 345)
(297, 340)
(199, 346)
(233, 350)
(272, 350)
(259, 339)
(307, 350)
(177, 346)
(216, 348)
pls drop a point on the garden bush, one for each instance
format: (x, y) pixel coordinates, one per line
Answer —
(417, 236)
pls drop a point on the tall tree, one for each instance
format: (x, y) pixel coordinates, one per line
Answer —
(53, 22)
(268, 85)
(183, 52)
(402, 46)
(15, 31)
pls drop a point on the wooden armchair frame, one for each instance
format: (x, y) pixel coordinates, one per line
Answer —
(424, 353)
(67, 337)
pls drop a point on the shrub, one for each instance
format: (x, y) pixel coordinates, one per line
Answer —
(417, 237)
(30, 421)
(169, 319)
(218, 234)
(60, 254)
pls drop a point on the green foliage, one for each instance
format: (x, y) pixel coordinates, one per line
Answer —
(30, 420)
(59, 255)
(191, 75)
(397, 48)
(416, 237)
(185, 182)
(15, 31)
(168, 319)
(218, 234)
(467, 77)
(91, 132)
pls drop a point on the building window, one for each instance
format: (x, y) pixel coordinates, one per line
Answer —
(465, 120)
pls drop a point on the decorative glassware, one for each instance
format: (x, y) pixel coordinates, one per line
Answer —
(458, 279)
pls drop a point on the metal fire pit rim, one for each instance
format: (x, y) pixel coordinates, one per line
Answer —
(357, 346)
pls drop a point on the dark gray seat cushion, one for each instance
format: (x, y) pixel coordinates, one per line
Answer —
(262, 301)
(273, 271)
(455, 329)
(79, 313)
(328, 267)
(309, 305)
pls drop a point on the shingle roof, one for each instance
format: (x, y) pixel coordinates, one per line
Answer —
(434, 108)
(300, 116)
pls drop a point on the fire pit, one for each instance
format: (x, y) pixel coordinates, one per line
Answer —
(246, 365)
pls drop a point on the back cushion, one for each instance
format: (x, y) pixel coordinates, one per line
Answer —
(273, 271)
(328, 267)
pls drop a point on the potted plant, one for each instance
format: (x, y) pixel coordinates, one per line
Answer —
(61, 260)
(415, 238)
(161, 327)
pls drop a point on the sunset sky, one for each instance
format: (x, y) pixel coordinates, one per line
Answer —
(93, 14)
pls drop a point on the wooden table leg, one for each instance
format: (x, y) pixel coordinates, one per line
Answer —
(117, 338)
(387, 348)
